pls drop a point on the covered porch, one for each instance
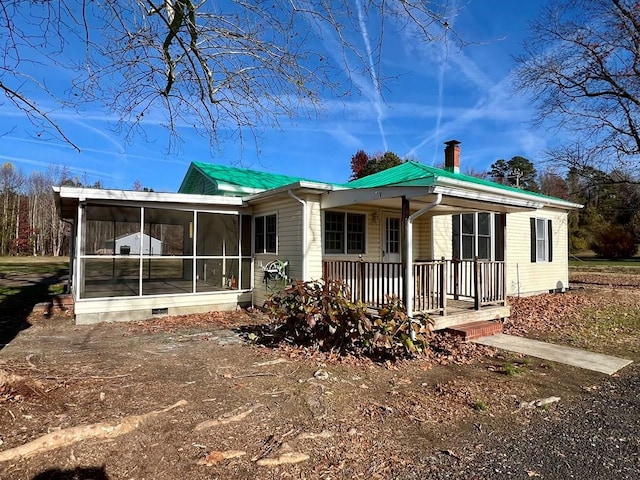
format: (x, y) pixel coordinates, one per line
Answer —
(434, 238)
(452, 292)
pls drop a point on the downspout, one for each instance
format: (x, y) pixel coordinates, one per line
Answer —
(408, 284)
(305, 228)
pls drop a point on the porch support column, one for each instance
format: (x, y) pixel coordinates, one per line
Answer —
(405, 209)
(408, 259)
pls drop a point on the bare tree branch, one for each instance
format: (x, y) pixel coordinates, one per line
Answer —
(219, 68)
(582, 66)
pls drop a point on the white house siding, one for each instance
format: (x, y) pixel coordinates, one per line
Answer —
(314, 238)
(373, 227)
(442, 240)
(525, 277)
(422, 238)
(289, 242)
(375, 235)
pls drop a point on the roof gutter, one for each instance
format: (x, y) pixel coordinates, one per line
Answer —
(305, 229)
(408, 283)
(314, 187)
(445, 181)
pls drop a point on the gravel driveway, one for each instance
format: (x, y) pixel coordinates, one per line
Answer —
(596, 438)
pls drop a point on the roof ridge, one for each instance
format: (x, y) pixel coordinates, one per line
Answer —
(219, 166)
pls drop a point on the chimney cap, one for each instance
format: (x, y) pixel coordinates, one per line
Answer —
(452, 143)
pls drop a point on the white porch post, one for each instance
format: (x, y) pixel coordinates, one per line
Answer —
(408, 278)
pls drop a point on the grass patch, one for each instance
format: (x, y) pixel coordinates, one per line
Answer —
(511, 369)
(606, 328)
(8, 291)
(481, 406)
(33, 265)
(603, 265)
(56, 289)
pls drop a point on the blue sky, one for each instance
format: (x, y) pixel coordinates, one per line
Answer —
(431, 95)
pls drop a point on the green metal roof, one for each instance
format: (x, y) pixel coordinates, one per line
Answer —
(215, 179)
(212, 179)
(416, 174)
(399, 175)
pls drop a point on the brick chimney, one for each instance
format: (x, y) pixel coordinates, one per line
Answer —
(452, 156)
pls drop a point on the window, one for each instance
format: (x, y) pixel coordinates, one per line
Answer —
(541, 240)
(266, 234)
(472, 236)
(393, 235)
(344, 232)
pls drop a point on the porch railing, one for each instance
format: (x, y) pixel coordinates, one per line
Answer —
(435, 281)
(429, 291)
(483, 281)
(369, 282)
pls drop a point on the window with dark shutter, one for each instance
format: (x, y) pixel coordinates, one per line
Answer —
(473, 236)
(541, 240)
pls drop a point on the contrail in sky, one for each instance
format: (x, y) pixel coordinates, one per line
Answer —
(377, 98)
(439, 108)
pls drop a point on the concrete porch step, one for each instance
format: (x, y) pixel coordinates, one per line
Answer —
(473, 330)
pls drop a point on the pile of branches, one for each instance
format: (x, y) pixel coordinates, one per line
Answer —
(321, 314)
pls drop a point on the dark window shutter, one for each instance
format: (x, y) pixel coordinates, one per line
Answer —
(533, 240)
(500, 224)
(550, 239)
(456, 236)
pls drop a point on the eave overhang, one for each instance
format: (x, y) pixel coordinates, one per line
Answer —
(68, 198)
(299, 187)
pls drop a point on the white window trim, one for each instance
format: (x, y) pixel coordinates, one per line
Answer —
(476, 235)
(344, 213)
(263, 250)
(542, 235)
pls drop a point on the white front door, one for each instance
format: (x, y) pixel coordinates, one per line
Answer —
(391, 241)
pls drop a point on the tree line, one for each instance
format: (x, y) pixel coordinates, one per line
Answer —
(30, 223)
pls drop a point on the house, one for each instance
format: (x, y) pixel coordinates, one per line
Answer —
(450, 245)
(133, 244)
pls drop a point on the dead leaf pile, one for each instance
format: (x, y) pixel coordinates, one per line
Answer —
(545, 313)
(448, 349)
(174, 323)
(16, 388)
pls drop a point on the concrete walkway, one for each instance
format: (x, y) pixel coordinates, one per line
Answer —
(557, 353)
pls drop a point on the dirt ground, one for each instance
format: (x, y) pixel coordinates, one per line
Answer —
(247, 410)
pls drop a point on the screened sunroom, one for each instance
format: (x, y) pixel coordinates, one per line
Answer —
(147, 253)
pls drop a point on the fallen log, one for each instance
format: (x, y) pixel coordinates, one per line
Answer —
(225, 419)
(71, 435)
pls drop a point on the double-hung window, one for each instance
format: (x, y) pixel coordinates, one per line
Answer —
(472, 236)
(541, 240)
(266, 234)
(344, 232)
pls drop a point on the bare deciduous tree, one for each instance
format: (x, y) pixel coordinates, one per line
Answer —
(582, 65)
(221, 68)
(11, 185)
